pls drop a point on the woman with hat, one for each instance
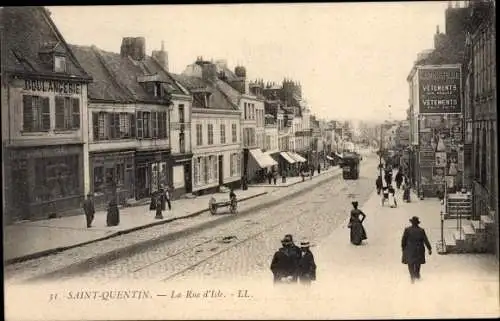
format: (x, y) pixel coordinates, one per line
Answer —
(307, 266)
(358, 233)
(412, 243)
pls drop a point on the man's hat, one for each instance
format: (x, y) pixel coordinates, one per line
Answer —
(287, 238)
(305, 244)
(415, 220)
(354, 203)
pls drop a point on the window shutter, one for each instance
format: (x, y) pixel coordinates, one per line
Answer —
(165, 125)
(139, 125)
(112, 133)
(27, 113)
(132, 125)
(154, 125)
(116, 116)
(45, 113)
(75, 104)
(95, 125)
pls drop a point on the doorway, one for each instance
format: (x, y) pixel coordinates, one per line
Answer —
(221, 170)
(187, 178)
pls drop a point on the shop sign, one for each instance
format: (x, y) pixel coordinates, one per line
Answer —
(53, 86)
(439, 90)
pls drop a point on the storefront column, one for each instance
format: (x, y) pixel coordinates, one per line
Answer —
(86, 170)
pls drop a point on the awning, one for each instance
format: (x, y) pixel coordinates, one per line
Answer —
(287, 157)
(329, 158)
(263, 160)
(338, 155)
(297, 157)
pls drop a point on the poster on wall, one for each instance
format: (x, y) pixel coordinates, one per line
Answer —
(460, 161)
(452, 163)
(450, 184)
(441, 139)
(427, 159)
(425, 141)
(441, 159)
(438, 175)
(426, 176)
(439, 90)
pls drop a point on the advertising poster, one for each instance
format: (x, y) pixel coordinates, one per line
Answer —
(440, 159)
(426, 176)
(438, 175)
(425, 141)
(439, 90)
(427, 159)
(452, 168)
(450, 184)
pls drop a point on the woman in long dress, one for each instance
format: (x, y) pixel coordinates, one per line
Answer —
(358, 233)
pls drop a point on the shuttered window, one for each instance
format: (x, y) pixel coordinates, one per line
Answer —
(67, 113)
(95, 126)
(146, 119)
(139, 125)
(154, 125)
(36, 113)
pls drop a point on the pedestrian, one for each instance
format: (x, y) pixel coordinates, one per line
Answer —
(283, 176)
(269, 176)
(319, 169)
(412, 243)
(89, 210)
(358, 233)
(295, 253)
(167, 198)
(302, 175)
(160, 204)
(407, 190)
(152, 204)
(399, 179)
(307, 266)
(283, 264)
(378, 184)
(392, 196)
(275, 177)
(113, 213)
(385, 193)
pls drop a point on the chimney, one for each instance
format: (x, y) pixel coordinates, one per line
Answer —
(161, 56)
(133, 47)
(208, 71)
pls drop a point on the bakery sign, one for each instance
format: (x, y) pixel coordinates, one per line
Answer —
(439, 90)
(53, 86)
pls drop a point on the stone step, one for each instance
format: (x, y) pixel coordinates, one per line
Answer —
(478, 226)
(459, 236)
(455, 217)
(468, 229)
(486, 219)
(449, 242)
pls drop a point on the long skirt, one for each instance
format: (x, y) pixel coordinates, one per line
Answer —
(392, 200)
(358, 233)
(113, 217)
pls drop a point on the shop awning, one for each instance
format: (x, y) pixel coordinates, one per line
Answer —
(297, 157)
(262, 159)
(287, 157)
(338, 155)
(329, 157)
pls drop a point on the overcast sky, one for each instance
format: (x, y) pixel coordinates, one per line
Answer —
(352, 59)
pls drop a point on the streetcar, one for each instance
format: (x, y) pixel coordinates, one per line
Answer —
(350, 166)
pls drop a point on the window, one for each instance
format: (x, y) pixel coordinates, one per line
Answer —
(210, 133)
(245, 111)
(139, 127)
(56, 177)
(196, 170)
(181, 114)
(146, 116)
(234, 133)
(98, 179)
(199, 134)
(125, 125)
(231, 165)
(67, 113)
(114, 125)
(206, 169)
(59, 64)
(154, 124)
(36, 113)
(210, 168)
(214, 168)
(120, 174)
(162, 125)
(234, 164)
(222, 134)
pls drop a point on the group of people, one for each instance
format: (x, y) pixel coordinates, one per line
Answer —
(113, 212)
(384, 186)
(292, 264)
(159, 201)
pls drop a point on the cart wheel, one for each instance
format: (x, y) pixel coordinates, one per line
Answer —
(213, 209)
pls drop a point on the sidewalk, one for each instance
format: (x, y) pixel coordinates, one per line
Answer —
(451, 285)
(293, 180)
(27, 240)
(38, 238)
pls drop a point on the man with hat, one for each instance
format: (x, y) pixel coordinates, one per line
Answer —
(307, 266)
(413, 241)
(89, 209)
(285, 261)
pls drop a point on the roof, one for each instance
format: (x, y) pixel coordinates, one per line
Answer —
(115, 77)
(220, 99)
(28, 31)
(232, 94)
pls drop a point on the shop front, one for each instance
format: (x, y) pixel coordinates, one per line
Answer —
(181, 175)
(152, 170)
(45, 181)
(112, 174)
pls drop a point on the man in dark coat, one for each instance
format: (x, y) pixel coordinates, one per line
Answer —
(88, 208)
(295, 253)
(307, 266)
(399, 179)
(412, 243)
(283, 263)
(378, 184)
(113, 215)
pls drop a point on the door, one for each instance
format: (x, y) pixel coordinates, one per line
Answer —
(20, 196)
(187, 178)
(142, 187)
(221, 170)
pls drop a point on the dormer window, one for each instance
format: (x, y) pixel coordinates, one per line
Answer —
(157, 89)
(59, 63)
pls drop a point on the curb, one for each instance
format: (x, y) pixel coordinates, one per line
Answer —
(101, 259)
(130, 230)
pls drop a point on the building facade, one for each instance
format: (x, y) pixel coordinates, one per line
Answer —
(44, 118)
(481, 110)
(216, 133)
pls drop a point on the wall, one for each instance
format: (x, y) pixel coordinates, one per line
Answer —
(175, 126)
(271, 132)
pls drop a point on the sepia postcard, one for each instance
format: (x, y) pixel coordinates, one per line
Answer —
(250, 161)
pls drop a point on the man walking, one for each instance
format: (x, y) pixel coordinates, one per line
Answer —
(88, 208)
(307, 266)
(412, 243)
(167, 197)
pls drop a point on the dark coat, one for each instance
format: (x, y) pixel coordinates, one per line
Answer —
(358, 232)
(283, 264)
(412, 243)
(88, 207)
(113, 215)
(307, 267)
(399, 178)
(378, 182)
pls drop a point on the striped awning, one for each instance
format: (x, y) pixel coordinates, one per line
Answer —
(287, 157)
(262, 159)
(297, 157)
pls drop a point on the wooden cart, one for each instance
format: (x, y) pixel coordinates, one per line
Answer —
(213, 205)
